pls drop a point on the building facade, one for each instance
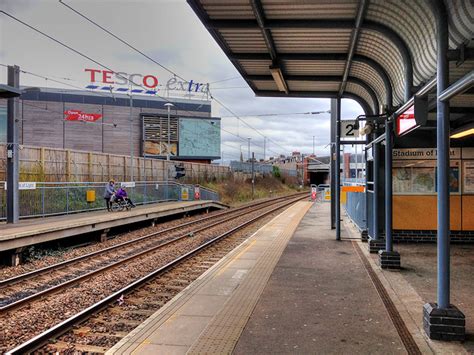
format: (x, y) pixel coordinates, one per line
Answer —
(116, 124)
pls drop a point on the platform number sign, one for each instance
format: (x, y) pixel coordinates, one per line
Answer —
(348, 130)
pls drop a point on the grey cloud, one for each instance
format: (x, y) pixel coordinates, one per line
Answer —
(169, 32)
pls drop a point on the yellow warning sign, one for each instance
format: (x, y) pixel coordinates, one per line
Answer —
(90, 195)
(184, 193)
(327, 195)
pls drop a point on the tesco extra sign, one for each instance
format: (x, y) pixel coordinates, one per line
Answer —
(121, 78)
(148, 81)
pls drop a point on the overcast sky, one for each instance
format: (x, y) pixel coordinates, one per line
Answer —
(169, 32)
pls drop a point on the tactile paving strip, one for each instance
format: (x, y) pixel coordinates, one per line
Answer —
(406, 337)
(222, 334)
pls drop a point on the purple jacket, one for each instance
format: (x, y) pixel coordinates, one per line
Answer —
(121, 193)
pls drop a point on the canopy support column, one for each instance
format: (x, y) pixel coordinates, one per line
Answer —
(338, 169)
(333, 162)
(388, 258)
(442, 320)
(13, 159)
(375, 243)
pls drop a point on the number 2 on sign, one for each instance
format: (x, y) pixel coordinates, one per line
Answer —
(350, 130)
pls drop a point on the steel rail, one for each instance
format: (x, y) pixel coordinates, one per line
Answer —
(18, 278)
(53, 289)
(59, 329)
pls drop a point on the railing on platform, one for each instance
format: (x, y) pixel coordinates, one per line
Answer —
(57, 198)
(355, 206)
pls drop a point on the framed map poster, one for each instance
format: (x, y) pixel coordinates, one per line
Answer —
(423, 180)
(469, 177)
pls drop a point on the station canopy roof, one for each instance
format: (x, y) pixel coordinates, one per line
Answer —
(377, 52)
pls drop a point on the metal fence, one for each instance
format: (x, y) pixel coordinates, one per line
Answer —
(48, 199)
(355, 208)
(259, 168)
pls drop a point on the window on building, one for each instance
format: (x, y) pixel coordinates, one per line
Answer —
(3, 124)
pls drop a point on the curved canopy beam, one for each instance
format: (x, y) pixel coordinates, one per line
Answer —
(384, 30)
(368, 88)
(360, 101)
(383, 75)
(318, 95)
(326, 78)
(402, 47)
(326, 56)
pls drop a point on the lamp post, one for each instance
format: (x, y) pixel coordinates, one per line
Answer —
(131, 135)
(11, 91)
(248, 157)
(168, 105)
(313, 145)
(264, 148)
(253, 175)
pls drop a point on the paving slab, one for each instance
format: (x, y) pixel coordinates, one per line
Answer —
(319, 300)
(209, 315)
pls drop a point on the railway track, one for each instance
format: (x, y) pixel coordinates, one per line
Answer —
(200, 237)
(22, 289)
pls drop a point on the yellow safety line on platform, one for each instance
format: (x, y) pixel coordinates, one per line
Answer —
(236, 257)
(222, 334)
(140, 339)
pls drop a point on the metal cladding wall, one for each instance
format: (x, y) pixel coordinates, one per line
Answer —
(43, 122)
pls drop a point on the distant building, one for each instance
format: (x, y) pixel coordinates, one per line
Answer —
(100, 122)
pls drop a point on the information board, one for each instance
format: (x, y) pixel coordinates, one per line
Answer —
(419, 177)
(199, 137)
(469, 177)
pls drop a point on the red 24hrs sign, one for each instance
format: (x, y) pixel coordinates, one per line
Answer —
(76, 115)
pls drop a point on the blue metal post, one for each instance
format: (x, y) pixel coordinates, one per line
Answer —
(442, 143)
(375, 204)
(388, 186)
(13, 153)
(145, 197)
(338, 169)
(333, 161)
(366, 187)
(42, 201)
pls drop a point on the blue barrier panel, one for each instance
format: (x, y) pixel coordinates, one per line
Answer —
(370, 220)
(355, 208)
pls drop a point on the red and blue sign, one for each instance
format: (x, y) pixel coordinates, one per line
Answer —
(77, 115)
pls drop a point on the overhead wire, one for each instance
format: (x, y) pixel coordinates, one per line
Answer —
(281, 114)
(103, 94)
(123, 77)
(98, 63)
(220, 81)
(119, 39)
(58, 81)
(156, 62)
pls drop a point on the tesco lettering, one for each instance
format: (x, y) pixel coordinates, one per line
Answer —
(121, 78)
(149, 81)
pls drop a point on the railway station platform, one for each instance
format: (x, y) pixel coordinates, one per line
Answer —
(15, 237)
(291, 288)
